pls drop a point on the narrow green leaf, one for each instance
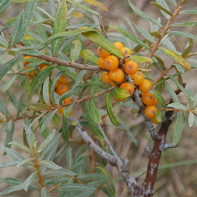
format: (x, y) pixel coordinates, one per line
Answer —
(10, 131)
(75, 52)
(8, 164)
(173, 2)
(178, 128)
(62, 35)
(49, 164)
(161, 8)
(88, 55)
(25, 162)
(91, 121)
(46, 91)
(44, 192)
(12, 189)
(145, 33)
(130, 36)
(60, 24)
(165, 6)
(172, 93)
(178, 106)
(188, 50)
(29, 180)
(59, 173)
(39, 107)
(52, 7)
(185, 34)
(160, 99)
(83, 7)
(191, 119)
(121, 93)
(191, 11)
(141, 59)
(4, 4)
(22, 147)
(185, 24)
(110, 112)
(8, 65)
(48, 117)
(176, 57)
(143, 15)
(102, 42)
(94, 111)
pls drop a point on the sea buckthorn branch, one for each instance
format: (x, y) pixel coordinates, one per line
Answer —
(114, 160)
(67, 63)
(155, 155)
(165, 30)
(149, 124)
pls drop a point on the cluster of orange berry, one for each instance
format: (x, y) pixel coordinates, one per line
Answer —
(61, 88)
(115, 76)
(61, 85)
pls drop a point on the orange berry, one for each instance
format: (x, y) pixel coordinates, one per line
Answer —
(62, 80)
(111, 62)
(126, 51)
(26, 57)
(30, 79)
(43, 67)
(131, 67)
(127, 86)
(102, 52)
(113, 84)
(67, 100)
(150, 111)
(116, 75)
(61, 111)
(101, 62)
(138, 78)
(145, 86)
(105, 77)
(61, 89)
(154, 120)
(148, 98)
(118, 45)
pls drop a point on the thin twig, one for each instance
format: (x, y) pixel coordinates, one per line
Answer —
(163, 74)
(61, 62)
(18, 118)
(102, 27)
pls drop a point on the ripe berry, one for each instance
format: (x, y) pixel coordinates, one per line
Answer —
(61, 89)
(43, 67)
(67, 100)
(126, 51)
(155, 102)
(145, 86)
(131, 67)
(105, 77)
(138, 78)
(127, 86)
(154, 120)
(116, 75)
(148, 98)
(111, 62)
(62, 80)
(102, 52)
(150, 111)
(26, 57)
(61, 111)
(101, 62)
(118, 45)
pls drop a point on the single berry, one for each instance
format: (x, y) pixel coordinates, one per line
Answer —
(43, 67)
(131, 67)
(111, 62)
(116, 75)
(148, 98)
(61, 89)
(127, 86)
(154, 120)
(118, 45)
(26, 58)
(62, 80)
(67, 100)
(101, 62)
(150, 111)
(125, 51)
(102, 52)
(145, 86)
(105, 77)
(138, 78)
(61, 111)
